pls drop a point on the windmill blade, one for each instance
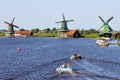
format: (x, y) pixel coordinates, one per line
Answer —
(101, 19)
(7, 22)
(15, 26)
(110, 29)
(63, 17)
(65, 21)
(100, 28)
(69, 20)
(109, 19)
(13, 20)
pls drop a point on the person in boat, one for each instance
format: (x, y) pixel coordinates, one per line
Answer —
(64, 69)
(76, 56)
(65, 66)
(68, 65)
(62, 66)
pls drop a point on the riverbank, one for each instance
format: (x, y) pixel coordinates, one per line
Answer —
(2, 34)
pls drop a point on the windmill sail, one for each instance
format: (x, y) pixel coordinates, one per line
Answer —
(11, 27)
(109, 19)
(64, 23)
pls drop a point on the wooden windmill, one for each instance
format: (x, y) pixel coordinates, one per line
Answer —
(64, 24)
(105, 30)
(11, 27)
(64, 28)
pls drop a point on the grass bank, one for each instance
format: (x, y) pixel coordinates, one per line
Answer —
(45, 34)
(2, 34)
(91, 35)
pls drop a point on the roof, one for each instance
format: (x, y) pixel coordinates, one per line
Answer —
(26, 32)
(71, 32)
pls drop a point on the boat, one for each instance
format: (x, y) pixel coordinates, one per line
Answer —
(102, 43)
(64, 69)
(75, 56)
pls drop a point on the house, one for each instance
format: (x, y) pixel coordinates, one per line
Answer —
(41, 31)
(69, 34)
(73, 33)
(24, 33)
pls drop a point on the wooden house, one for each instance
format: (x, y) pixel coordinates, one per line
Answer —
(69, 34)
(24, 33)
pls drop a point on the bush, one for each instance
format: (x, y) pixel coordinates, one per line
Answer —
(118, 37)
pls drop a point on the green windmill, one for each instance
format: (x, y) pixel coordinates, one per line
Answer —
(105, 30)
(11, 27)
(64, 27)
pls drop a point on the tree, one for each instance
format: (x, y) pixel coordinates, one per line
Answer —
(48, 30)
(54, 29)
(35, 30)
(22, 29)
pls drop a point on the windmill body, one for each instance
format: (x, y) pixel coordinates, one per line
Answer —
(64, 26)
(11, 28)
(105, 30)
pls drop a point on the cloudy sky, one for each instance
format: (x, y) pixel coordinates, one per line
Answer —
(42, 14)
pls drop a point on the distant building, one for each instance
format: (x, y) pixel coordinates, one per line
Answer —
(41, 31)
(69, 34)
(24, 33)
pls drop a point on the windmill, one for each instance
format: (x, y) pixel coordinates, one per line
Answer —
(11, 27)
(64, 27)
(105, 30)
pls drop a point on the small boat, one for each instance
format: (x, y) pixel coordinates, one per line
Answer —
(102, 43)
(107, 39)
(64, 69)
(75, 56)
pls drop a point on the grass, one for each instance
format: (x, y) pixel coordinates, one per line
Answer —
(2, 34)
(118, 43)
(91, 35)
(45, 34)
(53, 34)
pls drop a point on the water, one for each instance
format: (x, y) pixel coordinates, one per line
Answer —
(39, 57)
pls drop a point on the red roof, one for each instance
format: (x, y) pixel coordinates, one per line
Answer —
(26, 32)
(70, 32)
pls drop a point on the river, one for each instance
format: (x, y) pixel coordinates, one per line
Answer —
(40, 56)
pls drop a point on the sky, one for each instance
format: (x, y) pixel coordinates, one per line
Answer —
(32, 14)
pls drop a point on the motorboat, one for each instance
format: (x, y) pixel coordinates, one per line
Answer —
(64, 69)
(102, 43)
(75, 56)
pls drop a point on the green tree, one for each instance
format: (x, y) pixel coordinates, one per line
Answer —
(22, 29)
(47, 30)
(54, 29)
(35, 30)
